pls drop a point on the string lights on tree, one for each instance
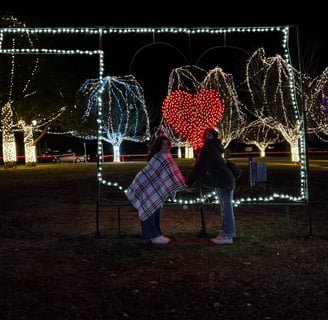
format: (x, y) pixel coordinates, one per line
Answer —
(124, 113)
(21, 108)
(316, 102)
(260, 135)
(233, 119)
(272, 84)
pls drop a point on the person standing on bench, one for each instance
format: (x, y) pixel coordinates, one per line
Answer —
(211, 168)
(155, 183)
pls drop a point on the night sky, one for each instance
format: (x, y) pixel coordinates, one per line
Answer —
(310, 20)
(60, 13)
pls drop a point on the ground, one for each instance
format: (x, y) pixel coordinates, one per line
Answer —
(55, 266)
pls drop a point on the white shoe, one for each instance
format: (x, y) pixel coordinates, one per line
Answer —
(222, 240)
(160, 240)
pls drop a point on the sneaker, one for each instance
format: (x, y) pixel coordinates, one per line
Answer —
(222, 240)
(160, 240)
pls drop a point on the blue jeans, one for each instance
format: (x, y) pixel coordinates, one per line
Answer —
(227, 214)
(151, 227)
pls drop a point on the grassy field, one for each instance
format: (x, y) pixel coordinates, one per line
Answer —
(53, 266)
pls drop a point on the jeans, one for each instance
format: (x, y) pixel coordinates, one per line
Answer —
(151, 227)
(227, 214)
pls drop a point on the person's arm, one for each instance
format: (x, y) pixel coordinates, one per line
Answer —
(199, 168)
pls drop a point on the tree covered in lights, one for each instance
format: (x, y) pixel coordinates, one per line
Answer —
(257, 133)
(15, 74)
(269, 82)
(316, 103)
(234, 119)
(120, 103)
(28, 105)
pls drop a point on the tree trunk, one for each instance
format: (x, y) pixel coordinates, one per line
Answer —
(29, 147)
(8, 137)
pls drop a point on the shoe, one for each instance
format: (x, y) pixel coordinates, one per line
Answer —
(160, 240)
(222, 240)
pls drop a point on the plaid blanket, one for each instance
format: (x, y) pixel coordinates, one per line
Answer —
(152, 185)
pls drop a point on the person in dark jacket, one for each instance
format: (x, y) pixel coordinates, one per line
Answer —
(210, 166)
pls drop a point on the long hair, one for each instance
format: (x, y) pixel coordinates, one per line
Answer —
(157, 145)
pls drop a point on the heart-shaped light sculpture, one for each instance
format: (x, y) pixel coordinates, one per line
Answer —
(190, 114)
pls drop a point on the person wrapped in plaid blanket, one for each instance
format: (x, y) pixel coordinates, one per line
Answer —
(152, 185)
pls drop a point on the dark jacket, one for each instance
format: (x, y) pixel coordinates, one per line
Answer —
(210, 167)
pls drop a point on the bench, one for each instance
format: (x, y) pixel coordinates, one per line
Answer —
(286, 205)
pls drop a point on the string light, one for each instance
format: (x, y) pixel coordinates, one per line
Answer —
(190, 114)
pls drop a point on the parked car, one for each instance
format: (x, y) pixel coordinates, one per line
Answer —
(58, 157)
(71, 158)
(50, 156)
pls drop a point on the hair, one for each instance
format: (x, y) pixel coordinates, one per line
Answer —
(157, 145)
(213, 132)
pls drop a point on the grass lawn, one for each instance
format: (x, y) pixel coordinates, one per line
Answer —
(53, 266)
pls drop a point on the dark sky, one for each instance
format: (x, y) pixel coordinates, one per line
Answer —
(165, 13)
(309, 19)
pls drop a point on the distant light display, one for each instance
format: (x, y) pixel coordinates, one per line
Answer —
(325, 106)
(190, 114)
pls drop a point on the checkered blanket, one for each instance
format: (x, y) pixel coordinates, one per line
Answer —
(160, 179)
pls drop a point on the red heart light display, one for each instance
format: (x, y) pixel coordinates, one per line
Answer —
(191, 114)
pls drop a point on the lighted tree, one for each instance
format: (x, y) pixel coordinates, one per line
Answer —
(270, 82)
(14, 83)
(38, 127)
(233, 119)
(8, 136)
(32, 106)
(258, 134)
(316, 102)
(124, 111)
